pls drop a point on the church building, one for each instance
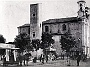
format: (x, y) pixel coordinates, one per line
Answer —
(78, 27)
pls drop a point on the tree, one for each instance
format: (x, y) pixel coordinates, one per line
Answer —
(2, 39)
(36, 43)
(21, 41)
(67, 42)
(46, 40)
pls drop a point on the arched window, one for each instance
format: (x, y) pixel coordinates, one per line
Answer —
(63, 27)
(46, 28)
(33, 34)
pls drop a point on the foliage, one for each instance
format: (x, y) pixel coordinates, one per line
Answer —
(2, 39)
(46, 40)
(21, 41)
(2, 51)
(36, 43)
(29, 47)
(67, 42)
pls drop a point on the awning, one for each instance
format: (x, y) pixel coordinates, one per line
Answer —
(7, 46)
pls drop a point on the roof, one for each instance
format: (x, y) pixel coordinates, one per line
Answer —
(81, 1)
(7, 46)
(25, 25)
(3, 45)
(62, 20)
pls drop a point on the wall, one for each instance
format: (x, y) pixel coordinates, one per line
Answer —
(55, 28)
(75, 29)
(24, 30)
(57, 45)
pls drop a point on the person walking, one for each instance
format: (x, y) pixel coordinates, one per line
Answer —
(78, 58)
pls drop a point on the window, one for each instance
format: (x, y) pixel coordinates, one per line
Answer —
(46, 28)
(81, 7)
(33, 14)
(23, 29)
(40, 25)
(63, 27)
(33, 34)
(28, 30)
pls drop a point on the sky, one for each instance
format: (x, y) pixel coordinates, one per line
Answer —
(14, 13)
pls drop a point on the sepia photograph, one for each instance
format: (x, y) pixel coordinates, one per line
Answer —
(44, 33)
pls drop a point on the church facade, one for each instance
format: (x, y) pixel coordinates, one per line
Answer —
(78, 27)
(58, 27)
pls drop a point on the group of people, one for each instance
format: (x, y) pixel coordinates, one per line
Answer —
(78, 58)
(24, 59)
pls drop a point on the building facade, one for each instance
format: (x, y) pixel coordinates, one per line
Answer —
(78, 27)
(24, 29)
(58, 27)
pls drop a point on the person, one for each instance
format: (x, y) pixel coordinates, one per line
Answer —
(27, 59)
(24, 59)
(20, 59)
(4, 60)
(46, 58)
(43, 58)
(78, 58)
(61, 55)
(40, 57)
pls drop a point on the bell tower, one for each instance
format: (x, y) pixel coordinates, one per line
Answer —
(81, 12)
(35, 21)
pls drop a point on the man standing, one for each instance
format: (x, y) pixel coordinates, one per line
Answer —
(78, 58)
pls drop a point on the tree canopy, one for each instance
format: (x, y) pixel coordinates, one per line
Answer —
(2, 39)
(67, 42)
(21, 41)
(46, 40)
(36, 43)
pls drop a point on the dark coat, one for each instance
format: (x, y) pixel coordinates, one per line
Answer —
(78, 57)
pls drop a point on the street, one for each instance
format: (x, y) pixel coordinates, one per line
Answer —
(57, 63)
